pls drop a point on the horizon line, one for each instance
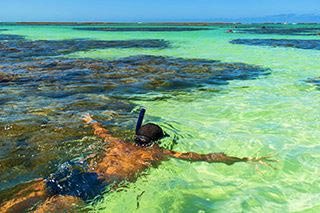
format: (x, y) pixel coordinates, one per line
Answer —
(200, 23)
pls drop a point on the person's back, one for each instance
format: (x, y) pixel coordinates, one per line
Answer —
(123, 160)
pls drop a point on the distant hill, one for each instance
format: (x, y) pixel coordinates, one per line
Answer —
(282, 18)
(290, 18)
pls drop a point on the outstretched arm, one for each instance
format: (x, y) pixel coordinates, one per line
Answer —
(210, 158)
(98, 129)
(219, 158)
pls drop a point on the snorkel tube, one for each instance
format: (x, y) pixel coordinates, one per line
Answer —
(140, 119)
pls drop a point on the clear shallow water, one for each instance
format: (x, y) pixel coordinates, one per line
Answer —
(275, 114)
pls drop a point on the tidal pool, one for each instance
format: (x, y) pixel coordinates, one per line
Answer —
(210, 96)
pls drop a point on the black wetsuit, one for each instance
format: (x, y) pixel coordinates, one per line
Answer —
(73, 178)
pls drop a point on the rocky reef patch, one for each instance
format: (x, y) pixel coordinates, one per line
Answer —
(314, 81)
(6, 77)
(132, 75)
(16, 47)
(5, 37)
(281, 31)
(142, 29)
(293, 43)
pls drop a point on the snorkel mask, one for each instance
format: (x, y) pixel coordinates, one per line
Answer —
(148, 133)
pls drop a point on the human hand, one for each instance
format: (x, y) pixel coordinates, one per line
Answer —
(264, 161)
(87, 118)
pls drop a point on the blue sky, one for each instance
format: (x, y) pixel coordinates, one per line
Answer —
(149, 10)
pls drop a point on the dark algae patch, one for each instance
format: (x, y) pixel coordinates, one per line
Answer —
(16, 47)
(294, 43)
(314, 81)
(120, 23)
(43, 97)
(281, 31)
(5, 37)
(143, 29)
(131, 75)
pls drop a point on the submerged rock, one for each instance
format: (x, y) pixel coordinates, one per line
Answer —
(144, 29)
(294, 43)
(6, 77)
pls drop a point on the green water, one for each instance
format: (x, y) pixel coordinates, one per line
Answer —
(276, 114)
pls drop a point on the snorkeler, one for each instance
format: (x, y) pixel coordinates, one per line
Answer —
(79, 182)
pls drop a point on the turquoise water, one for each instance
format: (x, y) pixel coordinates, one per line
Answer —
(276, 115)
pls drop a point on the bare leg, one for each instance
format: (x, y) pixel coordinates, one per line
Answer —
(24, 196)
(61, 203)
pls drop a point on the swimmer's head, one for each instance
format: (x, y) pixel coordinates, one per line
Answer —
(148, 134)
